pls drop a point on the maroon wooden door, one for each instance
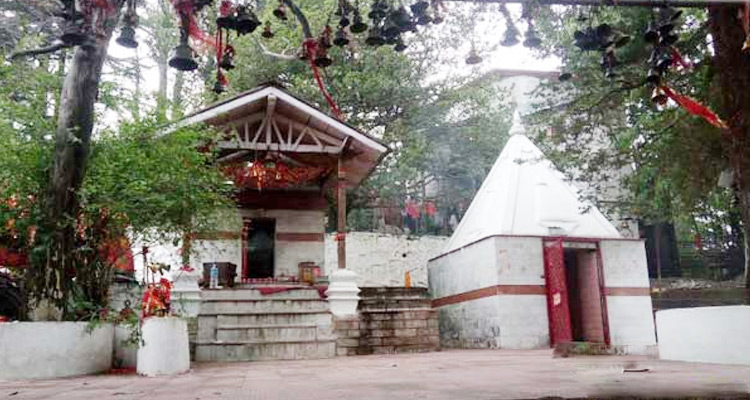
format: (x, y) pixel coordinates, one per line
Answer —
(558, 311)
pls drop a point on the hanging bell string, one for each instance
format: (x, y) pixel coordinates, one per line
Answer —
(311, 46)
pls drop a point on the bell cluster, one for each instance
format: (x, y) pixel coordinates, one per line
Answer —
(661, 36)
(389, 23)
(604, 39)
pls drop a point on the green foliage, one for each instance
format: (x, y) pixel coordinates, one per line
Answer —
(604, 129)
(160, 184)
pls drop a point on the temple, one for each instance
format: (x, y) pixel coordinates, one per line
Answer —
(532, 266)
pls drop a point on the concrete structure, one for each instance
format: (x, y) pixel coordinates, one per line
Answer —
(165, 349)
(531, 266)
(382, 260)
(445, 375)
(705, 334)
(44, 350)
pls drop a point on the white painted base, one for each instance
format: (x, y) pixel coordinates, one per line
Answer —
(343, 293)
(166, 350)
(45, 350)
(705, 334)
(186, 294)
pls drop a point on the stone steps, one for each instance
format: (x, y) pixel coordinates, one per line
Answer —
(265, 351)
(274, 333)
(245, 325)
(248, 293)
(275, 306)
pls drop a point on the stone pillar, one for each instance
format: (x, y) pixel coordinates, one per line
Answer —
(186, 294)
(342, 291)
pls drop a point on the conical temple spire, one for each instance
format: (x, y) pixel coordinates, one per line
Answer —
(524, 195)
(517, 126)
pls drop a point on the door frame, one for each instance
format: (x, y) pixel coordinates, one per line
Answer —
(602, 288)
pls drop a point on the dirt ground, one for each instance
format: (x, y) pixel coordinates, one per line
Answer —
(454, 375)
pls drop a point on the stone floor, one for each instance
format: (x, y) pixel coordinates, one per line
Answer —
(463, 374)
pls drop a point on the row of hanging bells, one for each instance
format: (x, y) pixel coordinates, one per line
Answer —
(661, 36)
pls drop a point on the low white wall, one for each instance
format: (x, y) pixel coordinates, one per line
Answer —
(382, 259)
(36, 350)
(705, 334)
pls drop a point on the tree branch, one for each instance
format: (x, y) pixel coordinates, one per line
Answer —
(280, 56)
(40, 51)
(300, 17)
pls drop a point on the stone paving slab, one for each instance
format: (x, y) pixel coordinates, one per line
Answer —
(446, 375)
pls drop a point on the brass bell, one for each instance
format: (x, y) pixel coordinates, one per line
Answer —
(401, 18)
(341, 38)
(390, 29)
(127, 37)
(400, 45)
(419, 7)
(358, 26)
(653, 77)
(218, 87)
(651, 35)
(473, 58)
(511, 36)
(280, 12)
(424, 19)
(374, 38)
(267, 32)
(658, 96)
(663, 62)
(321, 58)
(564, 76)
(325, 38)
(438, 18)
(344, 21)
(247, 21)
(746, 45)
(227, 60)
(227, 21)
(378, 11)
(531, 40)
(183, 57)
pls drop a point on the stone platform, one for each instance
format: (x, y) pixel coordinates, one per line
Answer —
(445, 375)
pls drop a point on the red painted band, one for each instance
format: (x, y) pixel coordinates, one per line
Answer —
(627, 291)
(300, 237)
(525, 290)
(490, 291)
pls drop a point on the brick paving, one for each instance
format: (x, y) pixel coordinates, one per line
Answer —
(446, 375)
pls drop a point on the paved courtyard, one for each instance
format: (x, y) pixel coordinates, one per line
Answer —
(462, 374)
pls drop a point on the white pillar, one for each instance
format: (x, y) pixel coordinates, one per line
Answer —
(343, 293)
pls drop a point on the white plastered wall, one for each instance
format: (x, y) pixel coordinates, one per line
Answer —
(288, 254)
(382, 259)
(512, 321)
(631, 320)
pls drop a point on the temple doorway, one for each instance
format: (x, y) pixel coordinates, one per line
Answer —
(260, 248)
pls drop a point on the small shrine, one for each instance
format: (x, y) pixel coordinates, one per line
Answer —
(285, 156)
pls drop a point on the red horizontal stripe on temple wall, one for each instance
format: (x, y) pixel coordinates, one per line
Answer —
(526, 290)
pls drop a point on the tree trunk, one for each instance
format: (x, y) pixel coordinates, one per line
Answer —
(179, 83)
(732, 67)
(161, 95)
(75, 122)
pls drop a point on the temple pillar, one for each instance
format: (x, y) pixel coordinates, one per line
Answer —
(342, 291)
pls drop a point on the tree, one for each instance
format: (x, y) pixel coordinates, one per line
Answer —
(602, 125)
